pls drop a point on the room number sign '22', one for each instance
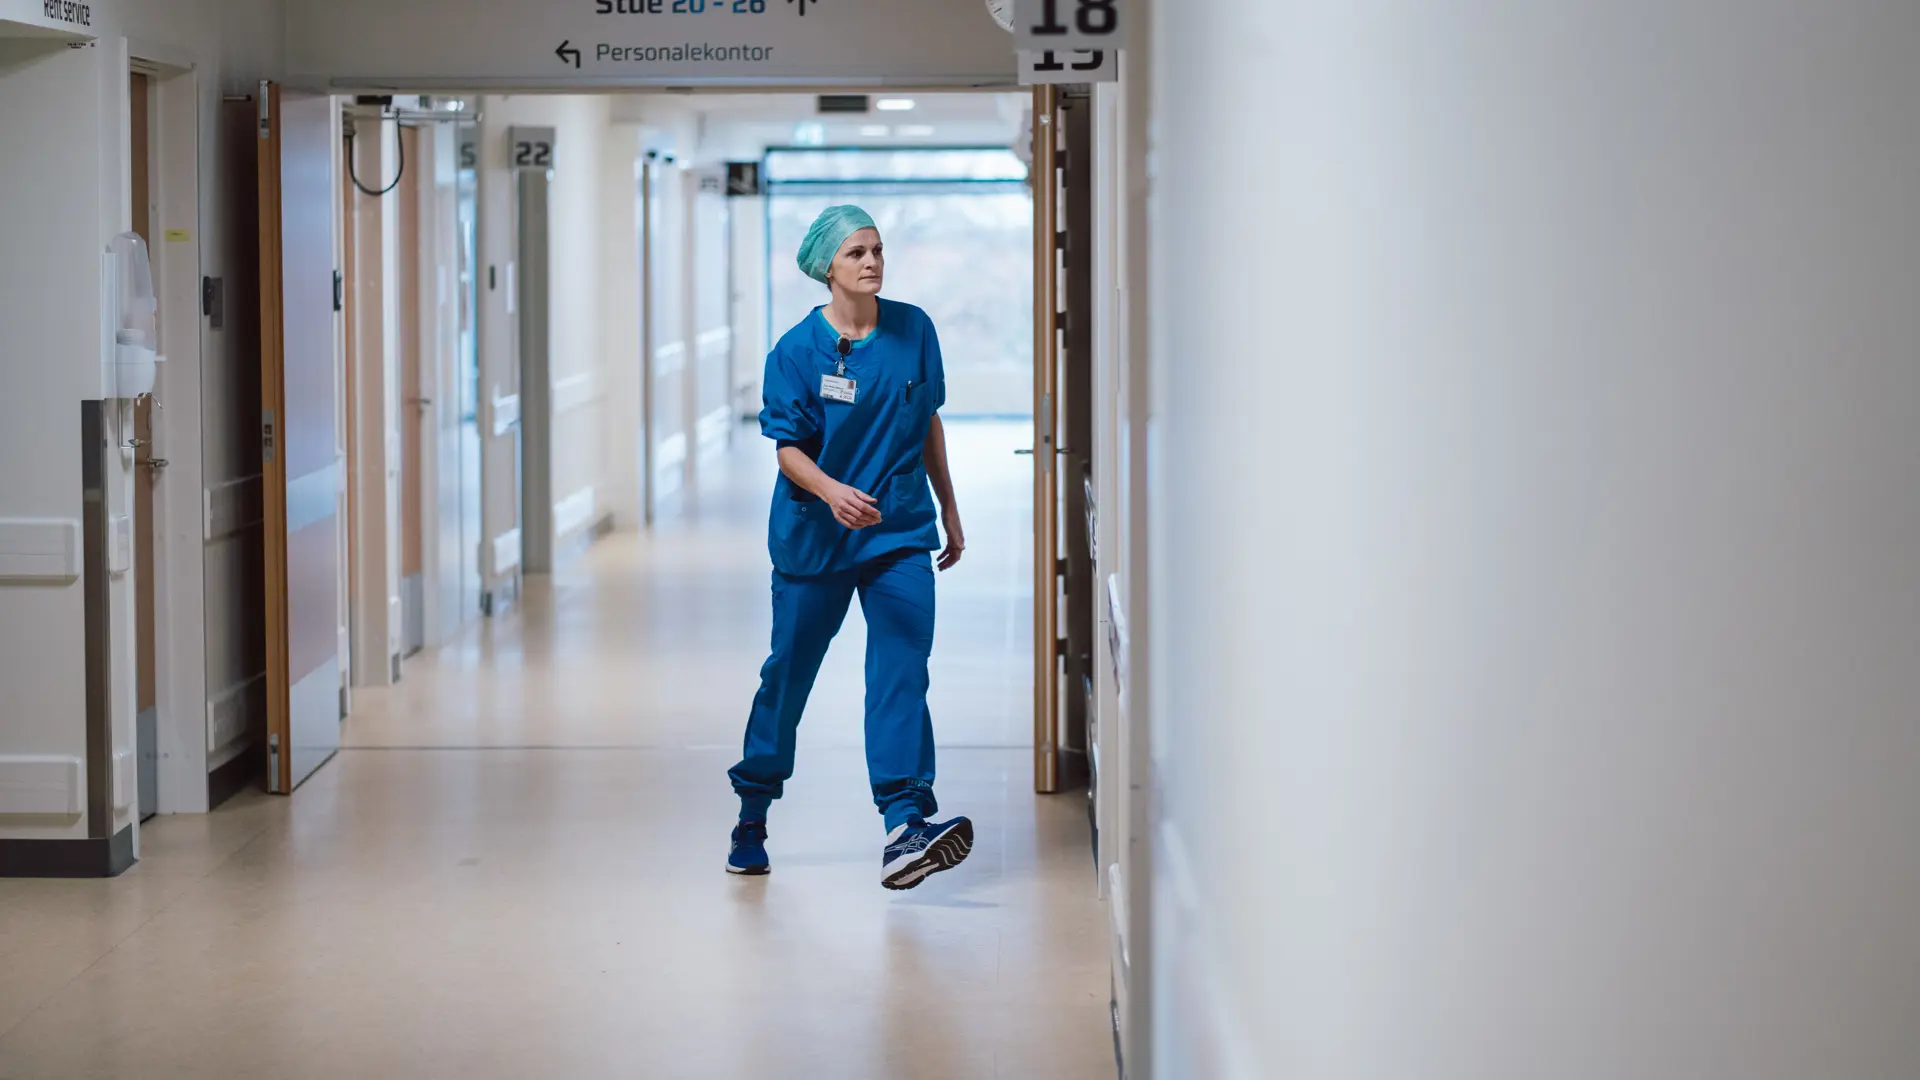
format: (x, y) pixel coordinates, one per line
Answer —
(1063, 25)
(69, 12)
(532, 147)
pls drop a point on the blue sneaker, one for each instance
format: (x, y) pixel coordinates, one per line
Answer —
(921, 848)
(749, 855)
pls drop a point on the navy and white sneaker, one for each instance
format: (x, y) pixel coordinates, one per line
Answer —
(921, 848)
(749, 855)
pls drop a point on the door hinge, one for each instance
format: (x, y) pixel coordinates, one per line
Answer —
(1059, 568)
(339, 291)
(266, 111)
(266, 436)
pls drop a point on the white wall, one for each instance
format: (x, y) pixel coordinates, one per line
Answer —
(750, 344)
(1123, 674)
(621, 323)
(50, 303)
(579, 242)
(53, 317)
(1539, 586)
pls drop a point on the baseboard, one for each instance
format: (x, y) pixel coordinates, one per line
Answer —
(90, 858)
(244, 771)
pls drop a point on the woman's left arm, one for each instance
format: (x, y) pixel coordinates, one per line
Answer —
(936, 458)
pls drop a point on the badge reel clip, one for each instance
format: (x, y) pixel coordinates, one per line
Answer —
(837, 387)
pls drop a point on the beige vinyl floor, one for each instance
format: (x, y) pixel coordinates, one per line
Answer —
(514, 869)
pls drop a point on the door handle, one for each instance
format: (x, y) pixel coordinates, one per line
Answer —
(156, 464)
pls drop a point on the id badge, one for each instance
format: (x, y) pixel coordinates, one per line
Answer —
(837, 388)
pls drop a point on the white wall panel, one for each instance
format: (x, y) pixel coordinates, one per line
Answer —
(1539, 591)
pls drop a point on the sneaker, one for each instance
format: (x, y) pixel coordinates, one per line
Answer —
(921, 848)
(749, 855)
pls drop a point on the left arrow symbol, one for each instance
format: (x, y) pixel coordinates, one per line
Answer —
(566, 52)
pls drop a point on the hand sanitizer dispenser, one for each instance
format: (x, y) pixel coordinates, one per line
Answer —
(135, 363)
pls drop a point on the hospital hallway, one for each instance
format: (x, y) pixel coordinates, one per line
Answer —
(514, 866)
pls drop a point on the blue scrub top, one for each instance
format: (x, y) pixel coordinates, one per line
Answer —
(875, 444)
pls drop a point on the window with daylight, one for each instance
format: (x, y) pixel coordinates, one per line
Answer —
(958, 228)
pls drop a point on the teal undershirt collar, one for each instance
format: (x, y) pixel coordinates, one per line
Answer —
(822, 312)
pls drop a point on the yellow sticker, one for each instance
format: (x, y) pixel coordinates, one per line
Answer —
(178, 236)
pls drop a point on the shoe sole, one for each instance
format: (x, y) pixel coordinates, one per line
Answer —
(749, 871)
(945, 853)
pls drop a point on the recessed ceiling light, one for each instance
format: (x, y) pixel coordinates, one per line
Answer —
(876, 131)
(894, 104)
(916, 131)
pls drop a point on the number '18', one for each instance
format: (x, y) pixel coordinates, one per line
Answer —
(1091, 17)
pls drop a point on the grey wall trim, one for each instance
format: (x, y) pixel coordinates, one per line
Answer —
(313, 497)
(536, 378)
(100, 857)
(98, 634)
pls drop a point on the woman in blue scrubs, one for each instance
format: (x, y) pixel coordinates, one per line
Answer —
(852, 398)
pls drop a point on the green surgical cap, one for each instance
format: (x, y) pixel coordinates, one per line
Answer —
(829, 231)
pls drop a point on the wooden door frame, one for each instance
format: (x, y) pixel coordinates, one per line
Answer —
(1046, 473)
(273, 398)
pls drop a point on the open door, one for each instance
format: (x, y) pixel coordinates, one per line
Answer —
(1046, 473)
(1064, 509)
(147, 716)
(416, 400)
(710, 314)
(499, 359)
(300, 434)
(460, 412)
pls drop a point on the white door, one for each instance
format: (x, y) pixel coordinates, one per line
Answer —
(670, 439)
(300, 303)
(710, 309)
(499, 384)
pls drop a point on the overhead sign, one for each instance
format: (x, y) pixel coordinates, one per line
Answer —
(1069, 66)
(56, 18)
(1039, 25)
(558, 44)
(743, 178)
(530, 148)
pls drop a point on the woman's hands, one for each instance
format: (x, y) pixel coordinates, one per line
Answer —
(956, 538)
(851, 507)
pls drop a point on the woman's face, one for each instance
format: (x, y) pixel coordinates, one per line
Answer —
(861, 265)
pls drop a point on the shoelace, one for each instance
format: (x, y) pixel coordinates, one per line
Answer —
(750, 832)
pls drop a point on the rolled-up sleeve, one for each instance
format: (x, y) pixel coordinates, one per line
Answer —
(790, 410)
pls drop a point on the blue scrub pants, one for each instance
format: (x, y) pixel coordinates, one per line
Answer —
(896, 596)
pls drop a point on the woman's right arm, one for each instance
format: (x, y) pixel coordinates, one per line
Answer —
(851, 507)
